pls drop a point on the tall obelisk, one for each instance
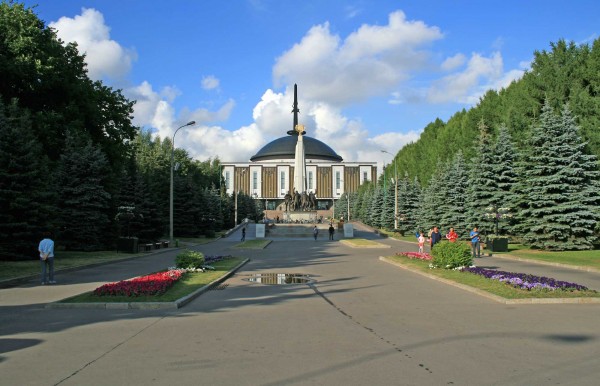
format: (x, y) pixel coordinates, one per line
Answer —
(299, 159)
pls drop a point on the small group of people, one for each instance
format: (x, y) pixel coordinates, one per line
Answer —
(331, 231)
(434, 236)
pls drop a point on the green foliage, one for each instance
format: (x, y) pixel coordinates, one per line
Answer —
(189, 259)
(84, 202)
(449, 255)
(559, 186)
(25, 187)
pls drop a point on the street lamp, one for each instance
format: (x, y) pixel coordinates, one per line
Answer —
(395, 190)
(171, 190)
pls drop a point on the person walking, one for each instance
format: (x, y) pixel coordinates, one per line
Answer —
(315, 232)
(46, 250)
(331, 231)
(244, 234)
(435, 237)
(475, 243)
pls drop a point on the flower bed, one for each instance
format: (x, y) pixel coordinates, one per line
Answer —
(416, 255)
(215, 258)
(525, 281)
(154, 284)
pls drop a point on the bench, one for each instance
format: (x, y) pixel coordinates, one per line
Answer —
(165, 244)
(145, 247)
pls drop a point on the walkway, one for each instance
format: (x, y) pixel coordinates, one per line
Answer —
(362, 322)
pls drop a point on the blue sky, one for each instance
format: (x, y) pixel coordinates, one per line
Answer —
(370, 74)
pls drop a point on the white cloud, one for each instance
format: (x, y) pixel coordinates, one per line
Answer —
(453, 62)
(104, 57)
(369, 62)
(333, 72)
(210, 82)
(468, 85)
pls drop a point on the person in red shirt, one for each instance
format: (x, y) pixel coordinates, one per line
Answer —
(452, 236)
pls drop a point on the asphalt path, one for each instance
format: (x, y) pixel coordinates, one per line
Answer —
(362, 321)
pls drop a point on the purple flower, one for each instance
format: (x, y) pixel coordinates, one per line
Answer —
(526, 281)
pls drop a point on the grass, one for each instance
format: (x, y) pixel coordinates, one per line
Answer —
(253, 244)
(492, 286)
(63, 260)
(581, 258)
(362, 243)
(199, 239)
(185, 286)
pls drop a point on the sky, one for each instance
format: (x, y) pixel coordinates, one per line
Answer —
(370, 74)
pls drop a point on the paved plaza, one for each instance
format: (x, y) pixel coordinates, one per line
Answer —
(363, 322)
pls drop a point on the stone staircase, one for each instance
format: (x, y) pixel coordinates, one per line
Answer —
(295, 230)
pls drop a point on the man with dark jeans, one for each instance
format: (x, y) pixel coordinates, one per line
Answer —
(436, 237)
(331, 231)
(46, 249)
(475, 243)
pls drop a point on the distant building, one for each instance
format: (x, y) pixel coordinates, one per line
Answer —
(269, 175)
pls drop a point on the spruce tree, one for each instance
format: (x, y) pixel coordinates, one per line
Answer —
(375, 207)
(25, 187)
(504, 166)
(430, 209)
(454, 208)
(560, 184)
(387, 210)
(482, 182)
(84, 201)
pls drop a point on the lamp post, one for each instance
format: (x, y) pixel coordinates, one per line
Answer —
(236, 192)
(171, 190)
(395, 191)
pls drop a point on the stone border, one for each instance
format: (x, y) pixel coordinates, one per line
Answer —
(351, 245)
(493, 297)
(150, 305)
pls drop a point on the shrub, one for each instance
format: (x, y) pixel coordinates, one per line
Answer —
(451, 255)
(189, 259)
(210, 233)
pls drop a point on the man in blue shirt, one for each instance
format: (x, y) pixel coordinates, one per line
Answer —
(46, 249)
(475, 243)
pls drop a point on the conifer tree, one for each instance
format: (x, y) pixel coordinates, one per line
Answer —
(560, 184)
(454, 208)
(25, 187)
(84, 201)
(375, 207)
(506, 177)
(430, 210)
(482, 182)
(387, 210)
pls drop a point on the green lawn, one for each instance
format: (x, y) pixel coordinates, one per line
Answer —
(580, 258)
(363, 243)
(63, 259)
(185, 286)
(253, 244)
(488, 285)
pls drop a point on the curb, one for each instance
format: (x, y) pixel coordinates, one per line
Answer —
(493, 297)
(150, 305)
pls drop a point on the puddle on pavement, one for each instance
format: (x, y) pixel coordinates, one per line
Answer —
(279, 278)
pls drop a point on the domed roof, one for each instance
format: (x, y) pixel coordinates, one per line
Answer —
(285, 148)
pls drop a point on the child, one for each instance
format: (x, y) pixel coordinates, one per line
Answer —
(421, 242)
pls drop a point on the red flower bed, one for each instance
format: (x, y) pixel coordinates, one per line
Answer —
(154, 284)
(416, 255)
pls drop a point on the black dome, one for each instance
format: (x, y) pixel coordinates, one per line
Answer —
(285, 148)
